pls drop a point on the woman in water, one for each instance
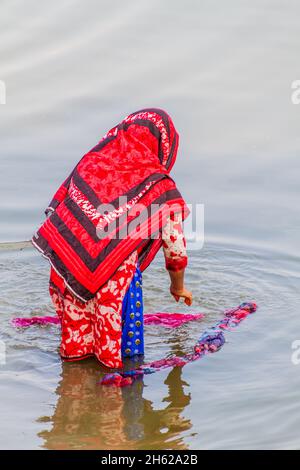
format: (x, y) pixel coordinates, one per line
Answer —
(104, 226)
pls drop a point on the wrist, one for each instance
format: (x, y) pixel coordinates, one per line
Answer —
(176, 288)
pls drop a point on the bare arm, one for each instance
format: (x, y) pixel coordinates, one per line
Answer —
(177, 287)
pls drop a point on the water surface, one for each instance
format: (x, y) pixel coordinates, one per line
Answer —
(224, 73)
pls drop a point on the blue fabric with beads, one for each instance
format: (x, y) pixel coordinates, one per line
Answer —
(132, 318)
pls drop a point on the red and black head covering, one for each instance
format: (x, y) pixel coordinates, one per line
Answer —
(115, 201)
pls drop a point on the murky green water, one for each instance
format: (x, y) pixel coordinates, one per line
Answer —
(224, 72)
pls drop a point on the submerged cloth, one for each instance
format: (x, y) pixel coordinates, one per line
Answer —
(170, 320)
(116, 201)
(210, 341)
(95, 327)
(132, 318)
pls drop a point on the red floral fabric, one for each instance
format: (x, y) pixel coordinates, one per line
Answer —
(94, 252)
(174, 244)
(94, 327)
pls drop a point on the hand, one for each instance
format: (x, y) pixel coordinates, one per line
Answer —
(184, 293)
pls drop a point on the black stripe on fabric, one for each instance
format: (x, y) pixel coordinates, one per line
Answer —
(101, 144)
(141, 122)
(42, 244)
(54, 204)
(166, 121)
(85, 221)
(93, 263)
(82, 218)
(160, 113)
(75, 285)
(155, 178)
(170, 157)
(67, 181)
(79, 249)
(124, 125)
(83, 186)
(147, 248)
(62, 270)
(151, 127)
(96, 201)
(86, 189)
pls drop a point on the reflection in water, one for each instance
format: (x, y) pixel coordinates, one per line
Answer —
(89, 416)
(168, 419)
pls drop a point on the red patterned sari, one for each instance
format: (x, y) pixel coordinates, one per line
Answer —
(109, 214)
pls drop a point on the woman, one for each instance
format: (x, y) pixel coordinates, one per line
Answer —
(104, 226)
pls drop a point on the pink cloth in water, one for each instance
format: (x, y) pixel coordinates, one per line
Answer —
(20, 322)
(173, 320)
(210, 341)
(170, 319)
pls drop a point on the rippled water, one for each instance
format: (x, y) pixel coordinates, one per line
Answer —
(224, 72)
(246, 396)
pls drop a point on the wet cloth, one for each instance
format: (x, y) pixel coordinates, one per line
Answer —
(211, 341)
(166, 319)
